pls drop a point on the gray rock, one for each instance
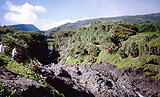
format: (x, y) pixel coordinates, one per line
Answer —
(103, 80)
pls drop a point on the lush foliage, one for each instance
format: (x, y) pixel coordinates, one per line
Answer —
(4, 60)
(149, 27)
(141, 50)
(84, 44)
(4, 92)
(29, 44)
(5, 30)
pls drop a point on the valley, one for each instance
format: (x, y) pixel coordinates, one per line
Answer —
(99, 59)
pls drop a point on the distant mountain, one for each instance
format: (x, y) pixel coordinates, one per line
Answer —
(24, 27)
(135, 19)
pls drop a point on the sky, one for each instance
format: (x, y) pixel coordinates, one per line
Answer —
(46, 14)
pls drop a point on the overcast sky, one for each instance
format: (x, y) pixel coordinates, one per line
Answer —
(46, 14)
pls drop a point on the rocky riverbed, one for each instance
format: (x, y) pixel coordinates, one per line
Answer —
(100, 80)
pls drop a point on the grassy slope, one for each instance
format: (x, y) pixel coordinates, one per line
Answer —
(86, 43)
(143, 59)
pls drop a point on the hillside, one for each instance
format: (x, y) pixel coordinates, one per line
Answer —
(116, 43)
(24, 27)
(135, 19)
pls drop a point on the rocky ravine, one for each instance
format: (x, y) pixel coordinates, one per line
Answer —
(100, 80)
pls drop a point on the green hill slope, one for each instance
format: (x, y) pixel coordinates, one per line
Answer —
(122, 44)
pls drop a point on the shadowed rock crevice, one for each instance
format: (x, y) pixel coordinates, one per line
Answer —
(68, 87)
(32, 91)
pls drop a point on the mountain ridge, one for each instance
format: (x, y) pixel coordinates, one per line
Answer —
(24, 27)
(146, 18)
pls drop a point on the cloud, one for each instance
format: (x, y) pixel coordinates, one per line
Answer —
(25, 13)
(48, 24)
(28, 14)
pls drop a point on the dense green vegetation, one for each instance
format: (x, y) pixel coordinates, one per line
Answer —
(86, 43)
(29, 44)
(32, 46)
(4, 92)
(122, 44)
(3, 60)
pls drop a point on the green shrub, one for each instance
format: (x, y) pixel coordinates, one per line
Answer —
(133, 50)
(4, 60)
(93, 50)
(149, 27)
(122, 53)
(5, 30)
(4, 92)
(108, 57)
(150, 37)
